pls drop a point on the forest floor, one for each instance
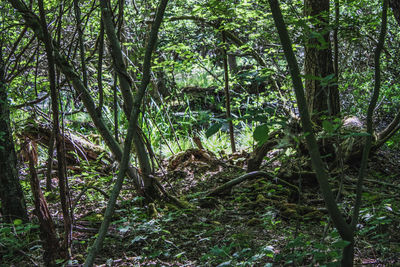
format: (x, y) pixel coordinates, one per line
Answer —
(260, 222)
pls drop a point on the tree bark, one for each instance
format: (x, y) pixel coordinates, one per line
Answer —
(227, 94)
(61, 166)
(77, 11)
(48, 233)
(11, 196)
(344, 229)
(321, 90)
(336, 41)
(132, 128)
(126, 88)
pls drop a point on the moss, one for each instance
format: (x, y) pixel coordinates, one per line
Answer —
(289, 213)
(261, 199)
(94, 217)
(248, 205)
(313, 215)
(171, 207)
(254, 222)
(152, 211)
(260, 185)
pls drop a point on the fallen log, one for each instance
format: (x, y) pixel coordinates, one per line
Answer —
(77, 147)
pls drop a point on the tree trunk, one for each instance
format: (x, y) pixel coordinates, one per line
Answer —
(33, 21)
(133, 119)
(233, 67)
(321, 91)
(60, 147)
(348, 251)
(126, 89)
(344, 229)
(48, 233)
(11, 196)
(227, 94)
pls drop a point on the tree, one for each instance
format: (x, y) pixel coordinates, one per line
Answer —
(321, 89)
(32, 20)
(126, 88)
(347, 231)
(62, 179)
(133, 119)
(11, 196)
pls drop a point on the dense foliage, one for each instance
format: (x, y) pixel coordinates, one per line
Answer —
(226, 166)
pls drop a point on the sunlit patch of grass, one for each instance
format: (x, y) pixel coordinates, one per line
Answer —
(215, 143)
(196, 77)
(167, 150)
(244, 138)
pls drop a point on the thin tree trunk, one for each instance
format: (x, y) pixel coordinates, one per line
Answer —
(227, 95)
(62, 183)
(233, 67)
(81, 41)
(336, 41)
(115, 103)
(126, 87)
(131, 130)
(348, 252)
(48, 233)
(33, 22)
(100, 69)
(11, 195)
(50, 153)
(344, 229)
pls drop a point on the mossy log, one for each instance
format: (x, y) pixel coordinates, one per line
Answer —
(77, 147)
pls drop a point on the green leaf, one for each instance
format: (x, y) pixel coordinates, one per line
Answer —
(226, 263)
(213, 129)
(261, 134)
(17, 222)
(179, 255)
(356, 134)
(341, 244)
(124, 229)
(328, 126)
(138, 239)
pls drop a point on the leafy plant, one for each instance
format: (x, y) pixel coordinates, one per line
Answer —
(15, 238)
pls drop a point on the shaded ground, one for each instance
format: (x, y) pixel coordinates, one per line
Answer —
(257, 223)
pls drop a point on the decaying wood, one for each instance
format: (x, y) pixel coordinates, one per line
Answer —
(198, 143)
(48, 233)
(256, 157)
(74, 144)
